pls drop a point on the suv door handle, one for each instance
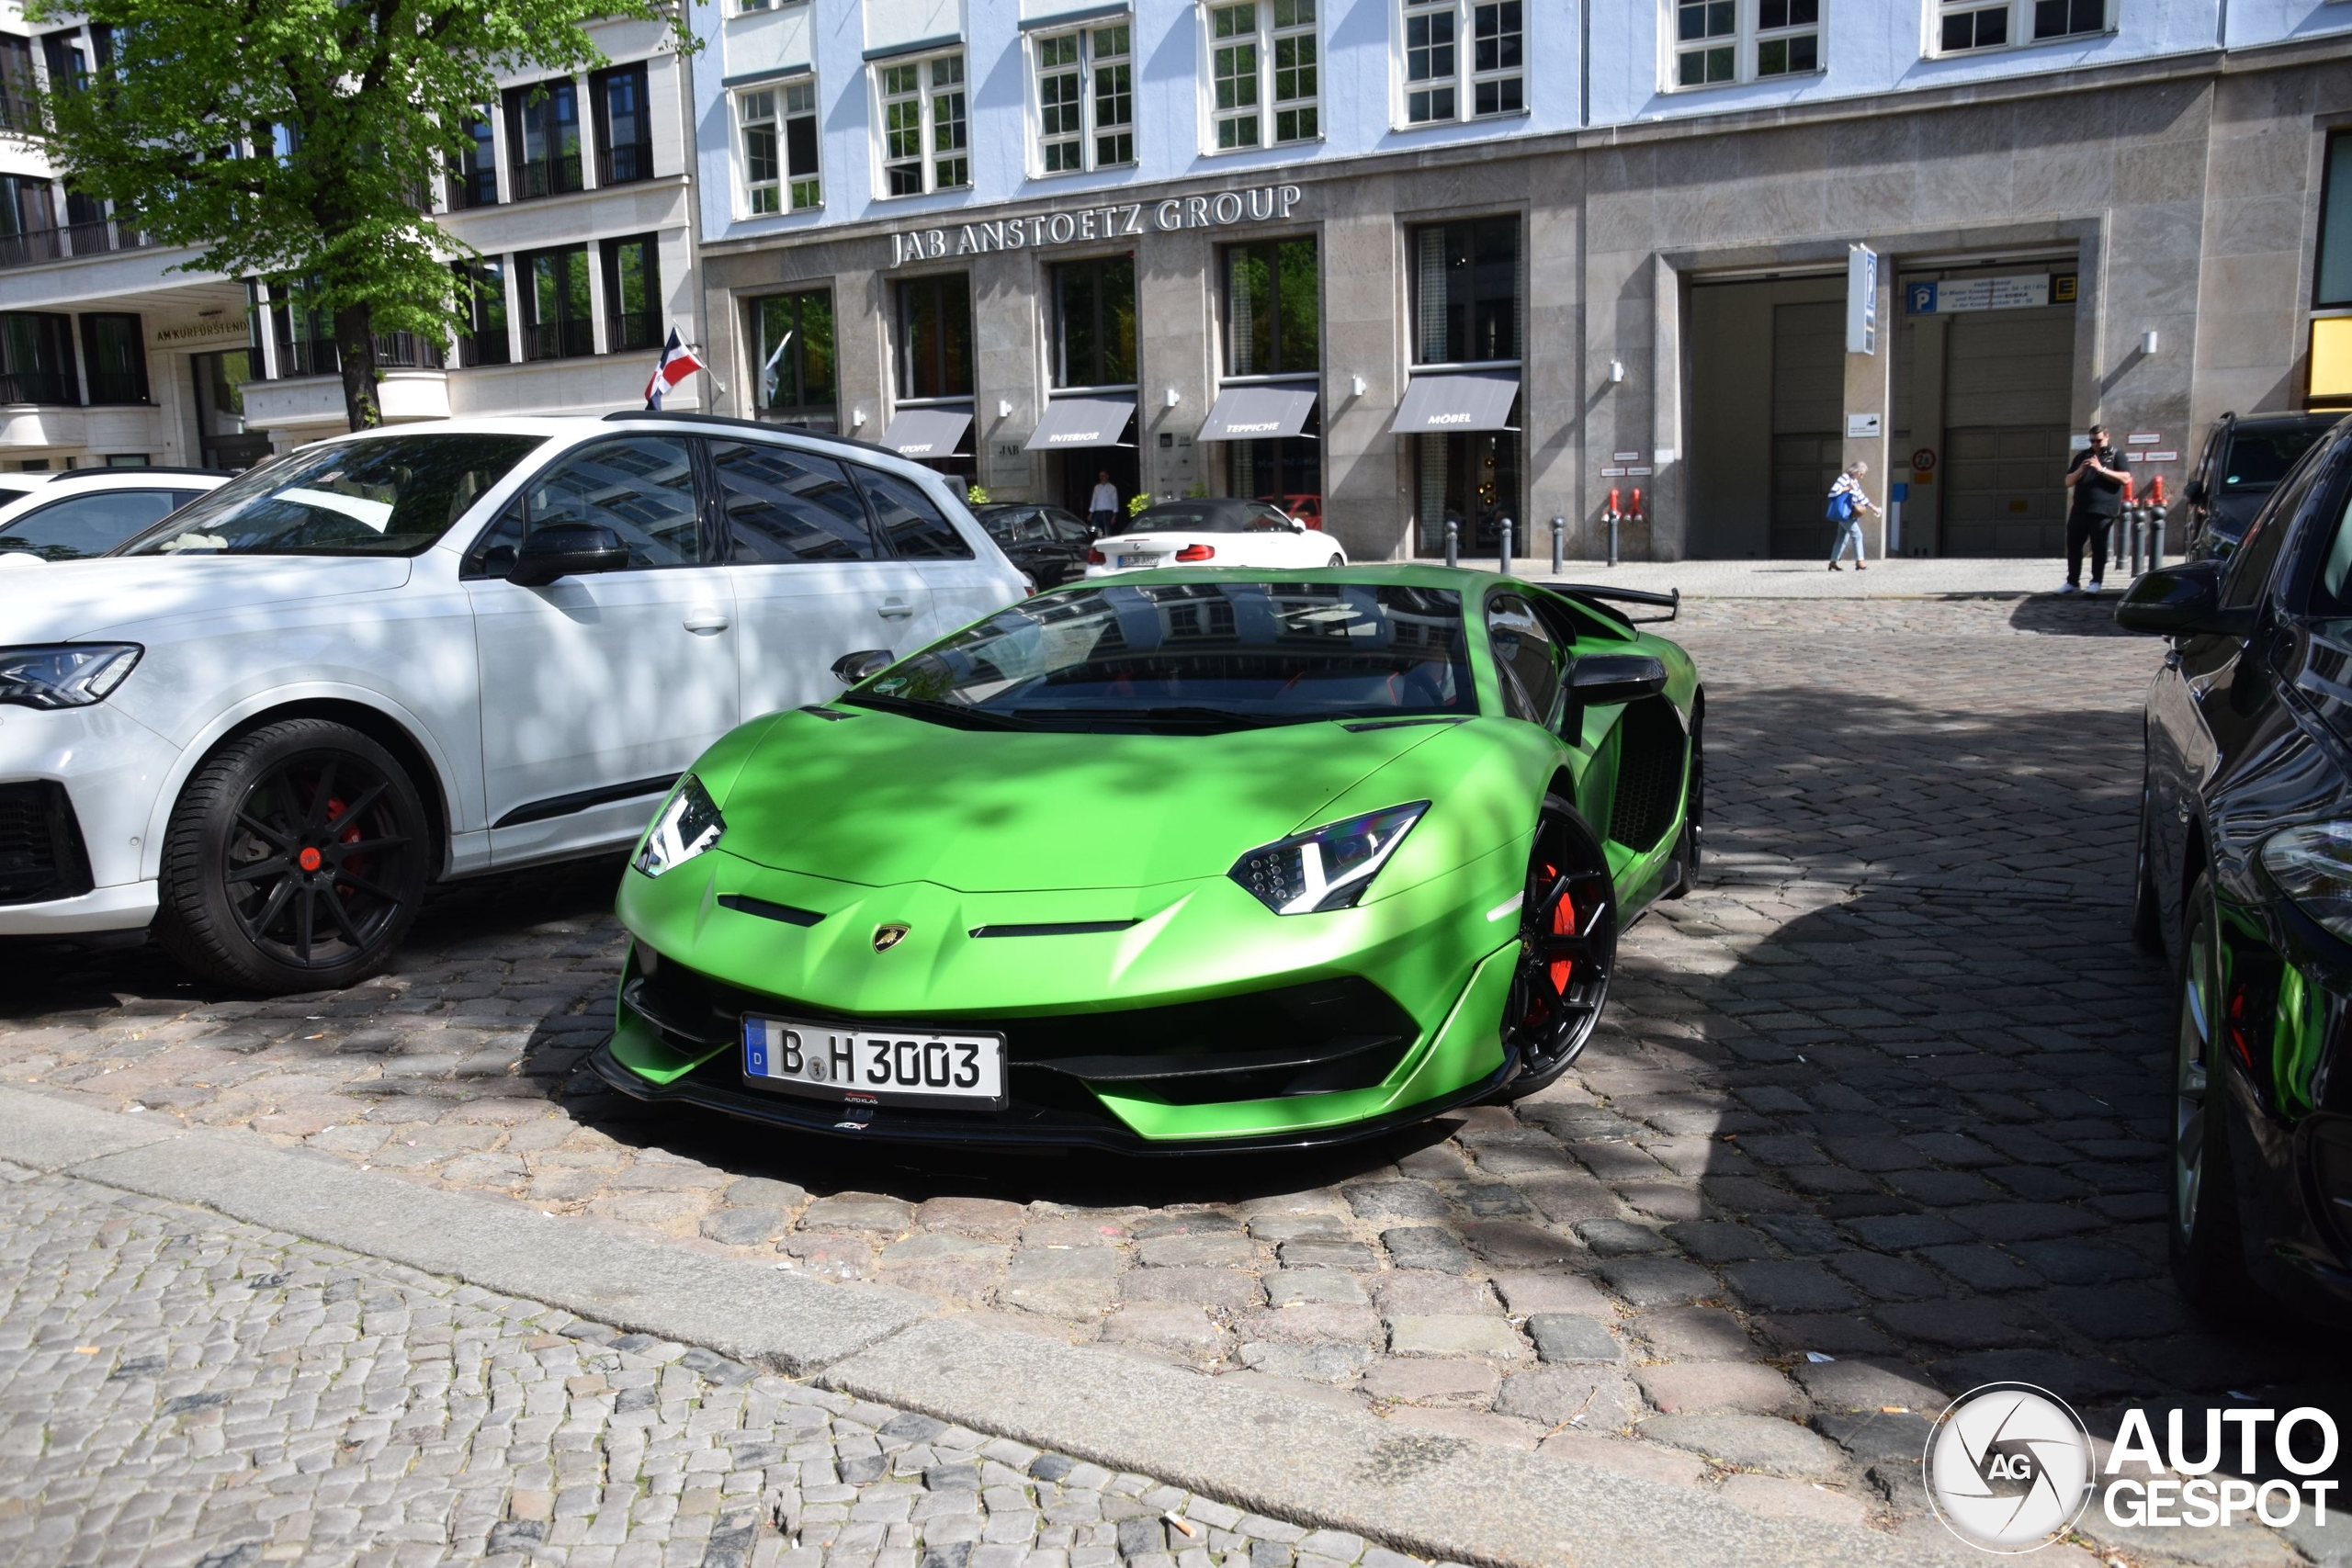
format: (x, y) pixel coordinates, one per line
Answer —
(896, 609)
(704, 623)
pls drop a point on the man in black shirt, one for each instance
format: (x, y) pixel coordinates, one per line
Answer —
(2096, 477)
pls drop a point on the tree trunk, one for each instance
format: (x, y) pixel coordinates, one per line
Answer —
(355, 346)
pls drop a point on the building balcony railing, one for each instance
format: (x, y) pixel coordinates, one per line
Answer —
(318, 357)
(39, 387)
(549, 176)
(630, 330)
(469, 189)
(117, 388)
(559, 340)
(94, 238)
(483, 348)
(621, 166)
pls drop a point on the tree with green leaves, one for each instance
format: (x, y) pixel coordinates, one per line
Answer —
(298, 140)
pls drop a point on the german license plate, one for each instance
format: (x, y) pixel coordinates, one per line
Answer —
(1134, 560)
(881, 1065)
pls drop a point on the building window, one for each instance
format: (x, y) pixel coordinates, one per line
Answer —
(1716, 41)
(29, 231)
(482, 300)
(624, 125)
(1264, 74)
(19, 88)
(779, 127)
(924, 127)
(1273, 310)
(1443, 81)
(555, 320)
(543, 138)
(37, 359)
(2333, 282)
(1965, 25)
(1465, 280)
(69, 67)
(1086, 104)
(935, 337)
(632, 295)
(1094, 323)
(304, 333)
(793, 337)
(474, 174)
(114, 353)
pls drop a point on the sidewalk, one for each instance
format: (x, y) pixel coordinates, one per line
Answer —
(1902, 577)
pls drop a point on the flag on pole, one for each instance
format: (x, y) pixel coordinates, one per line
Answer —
(770, 374)
(678, 362)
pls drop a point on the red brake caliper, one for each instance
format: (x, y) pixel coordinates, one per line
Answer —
(1563, 923)
(350, 835)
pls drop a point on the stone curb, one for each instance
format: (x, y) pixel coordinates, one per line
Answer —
(1420, 1491)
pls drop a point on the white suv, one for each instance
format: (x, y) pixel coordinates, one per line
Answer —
(433, 652)
(87, 511)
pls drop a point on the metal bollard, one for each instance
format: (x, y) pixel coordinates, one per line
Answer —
(2130, 541)
(1506, 566)
(1559, 524)
(2157, 542)
(1453, 541)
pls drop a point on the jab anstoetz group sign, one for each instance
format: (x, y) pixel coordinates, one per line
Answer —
(1265, 204)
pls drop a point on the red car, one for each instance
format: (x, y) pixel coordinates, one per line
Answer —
(1307, 509)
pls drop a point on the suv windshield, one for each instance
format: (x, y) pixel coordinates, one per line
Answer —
(2259, 459)
(391, 495)
(1192, 655)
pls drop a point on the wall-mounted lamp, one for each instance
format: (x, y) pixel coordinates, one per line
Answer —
(1004, 408)
(1174, 397)
(856, 418)
(2148, 343)
(1355, 385)
(1616, 370)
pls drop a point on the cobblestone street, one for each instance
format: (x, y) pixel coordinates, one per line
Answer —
(1877, 1114)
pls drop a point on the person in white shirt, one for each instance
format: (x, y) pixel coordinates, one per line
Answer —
(1104, 509)
(1846, 504)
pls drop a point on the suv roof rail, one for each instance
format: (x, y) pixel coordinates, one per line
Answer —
(140, 469)
(681, 416)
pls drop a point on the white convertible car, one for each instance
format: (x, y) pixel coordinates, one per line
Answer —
(1223, 532)
(433, 652)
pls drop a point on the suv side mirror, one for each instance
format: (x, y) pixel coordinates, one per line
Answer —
(2194, 492)
(1600, 680)
(566, 549)
(2181, 601)
(852, 668)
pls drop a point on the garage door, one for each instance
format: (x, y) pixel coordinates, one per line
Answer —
(1808, 401)
(2008, 384)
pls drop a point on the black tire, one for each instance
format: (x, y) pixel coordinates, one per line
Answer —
(1691, 843)
(1568, 947)
(1337, 560)
(295, 859)
(2207, 1240)
(2147, 909)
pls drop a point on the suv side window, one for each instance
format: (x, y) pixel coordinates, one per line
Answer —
(909, 519)
(1527, 658)
(90, 525)
(641, 487)
(781, 504)
(2249, 568)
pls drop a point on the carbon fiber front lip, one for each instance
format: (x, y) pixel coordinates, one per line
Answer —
(826, 1120)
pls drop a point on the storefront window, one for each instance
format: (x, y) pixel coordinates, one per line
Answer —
(1274, 309)
(1094, 317)
(1466, 284)
(2335, 270)
(935, 337)
(793, 337)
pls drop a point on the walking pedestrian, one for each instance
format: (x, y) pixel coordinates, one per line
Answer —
(1846, 504)
(1104, 509)
(2096, 476)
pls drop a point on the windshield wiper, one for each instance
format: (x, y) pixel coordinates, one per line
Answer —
(939, 713)
(1178, 714)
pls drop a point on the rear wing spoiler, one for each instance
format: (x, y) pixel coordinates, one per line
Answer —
(1670, 601)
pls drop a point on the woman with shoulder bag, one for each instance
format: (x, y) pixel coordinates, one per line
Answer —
(1846, 504)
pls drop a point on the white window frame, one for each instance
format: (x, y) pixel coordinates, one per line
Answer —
(784, 100)
(928, 100)
(1748, 40)
(1466, 76)
(1092, 67)
(1272, 25)
(2020, 14)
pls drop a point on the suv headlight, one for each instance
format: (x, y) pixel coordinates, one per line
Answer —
(65, 674)
(687, 824)
(1329, 867)
(2312, 865)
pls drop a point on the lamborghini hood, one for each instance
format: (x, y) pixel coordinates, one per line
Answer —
(880, 798)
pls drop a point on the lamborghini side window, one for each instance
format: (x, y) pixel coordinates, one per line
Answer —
(1526, 657)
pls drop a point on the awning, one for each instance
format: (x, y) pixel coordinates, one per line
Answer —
(927, 433)
(1082, 421)
(1441, 405)
(1258, 413)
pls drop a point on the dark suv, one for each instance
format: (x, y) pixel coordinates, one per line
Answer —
(2242, 462)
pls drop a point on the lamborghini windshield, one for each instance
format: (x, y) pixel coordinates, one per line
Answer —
(1193, 656)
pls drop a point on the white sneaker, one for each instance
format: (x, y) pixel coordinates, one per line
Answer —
(2095, 587)
(2069, 588)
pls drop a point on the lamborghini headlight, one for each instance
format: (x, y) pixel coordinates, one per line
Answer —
(2312, 865)
(687, 824)
(1329, 867)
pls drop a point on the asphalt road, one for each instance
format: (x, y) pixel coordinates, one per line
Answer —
(1877, 1114)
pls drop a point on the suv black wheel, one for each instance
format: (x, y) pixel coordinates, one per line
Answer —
(2207, 1244)
(1568, 945)
(295, 859)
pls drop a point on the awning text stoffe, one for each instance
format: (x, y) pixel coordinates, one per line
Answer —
(1259, 414)
(927, 433)
(1073, 422)
(1462, 401)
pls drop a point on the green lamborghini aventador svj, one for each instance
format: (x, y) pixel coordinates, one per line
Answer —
(1176, 861)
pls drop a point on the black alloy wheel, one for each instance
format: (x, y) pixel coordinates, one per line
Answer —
(296, 859)
(1568, 945)
(2207, 1245)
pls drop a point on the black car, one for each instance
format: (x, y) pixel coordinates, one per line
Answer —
(1043, 541)
(2242, 462)
(2244, 877)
